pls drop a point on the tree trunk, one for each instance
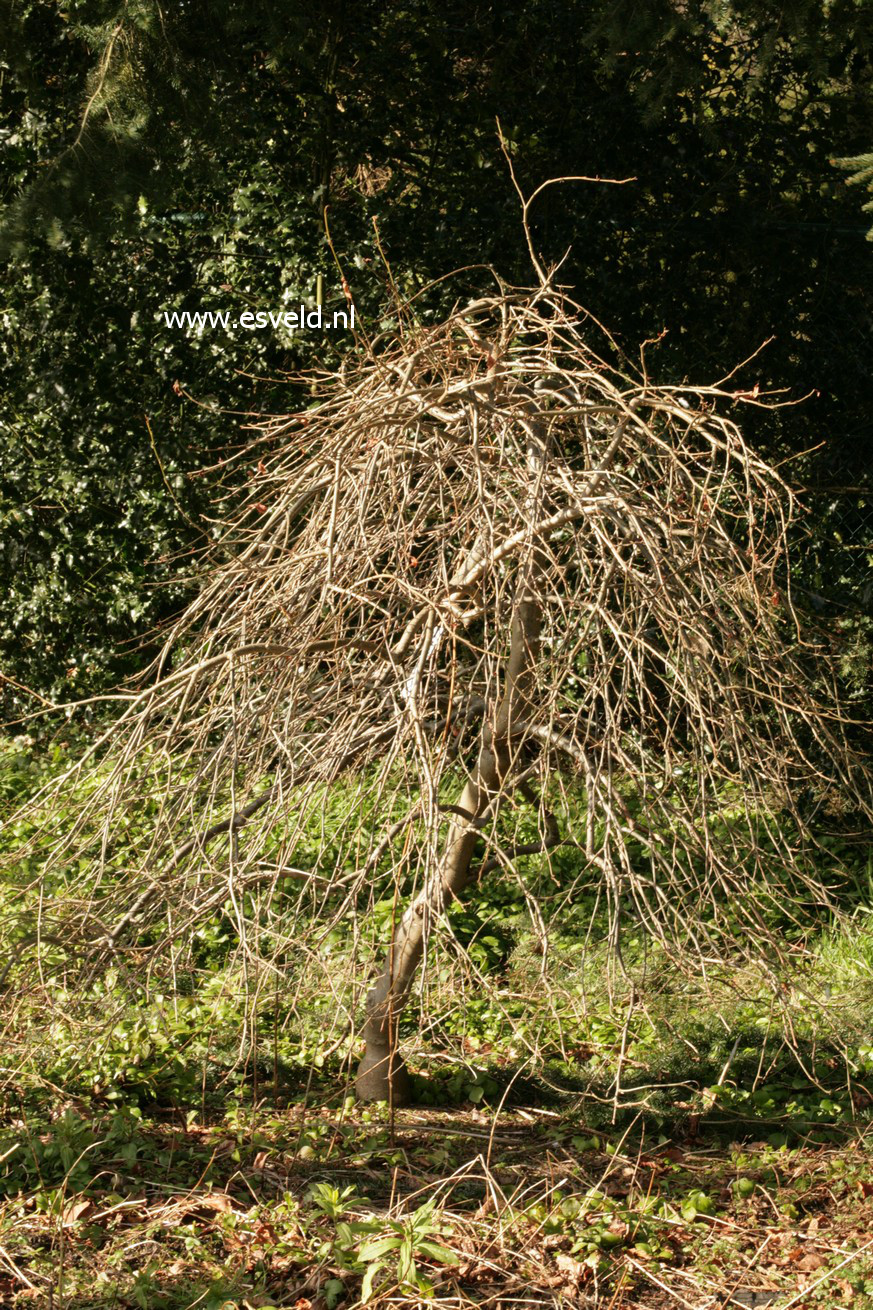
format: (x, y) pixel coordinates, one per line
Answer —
(382, 1074)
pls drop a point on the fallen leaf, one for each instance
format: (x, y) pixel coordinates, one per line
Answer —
(572, 1269)
(76, 1210)
(265, 1233)
(211, 1203)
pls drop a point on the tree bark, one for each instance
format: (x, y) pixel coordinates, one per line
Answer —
(382, 1074)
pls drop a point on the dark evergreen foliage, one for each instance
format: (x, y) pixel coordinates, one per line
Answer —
(164, 157)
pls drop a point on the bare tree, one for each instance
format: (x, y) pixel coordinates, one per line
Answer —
(487, 573)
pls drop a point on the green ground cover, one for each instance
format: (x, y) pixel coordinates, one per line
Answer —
(585, 1131)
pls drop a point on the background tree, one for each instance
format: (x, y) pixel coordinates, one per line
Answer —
(152, 160)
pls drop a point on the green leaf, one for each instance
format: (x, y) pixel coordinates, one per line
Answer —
(434, 1251)
(406, 1270)
(333, 1290)
(378, 1247)
(420, 1221)
(368, 1280)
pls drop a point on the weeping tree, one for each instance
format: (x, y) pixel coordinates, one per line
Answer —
(487, 573)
